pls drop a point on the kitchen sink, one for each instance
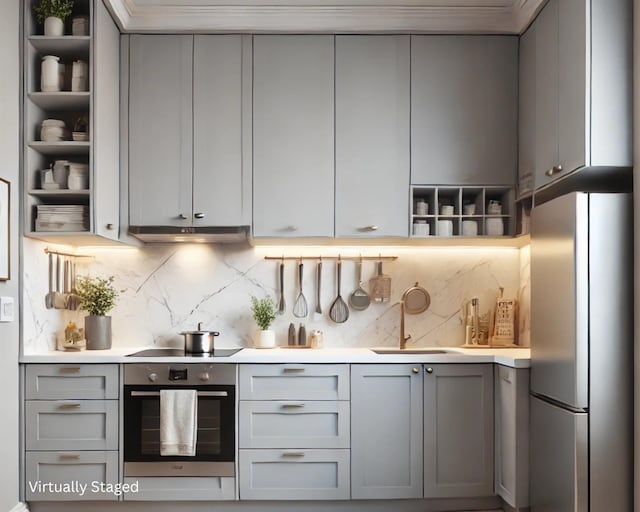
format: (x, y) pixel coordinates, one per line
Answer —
(410, 351)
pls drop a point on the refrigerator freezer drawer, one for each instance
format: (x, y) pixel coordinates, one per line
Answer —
(559, 459)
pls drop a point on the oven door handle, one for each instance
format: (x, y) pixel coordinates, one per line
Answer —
(200, 393)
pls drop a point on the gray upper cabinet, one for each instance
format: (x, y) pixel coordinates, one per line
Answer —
(372, 135)
(293, 135)
(160, 129)
(527, 112)
(386, 431)
(458, 430)
(188, 134)
(464, 110)
(576, 58)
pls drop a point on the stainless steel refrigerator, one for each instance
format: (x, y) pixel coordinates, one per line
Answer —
(582, 354)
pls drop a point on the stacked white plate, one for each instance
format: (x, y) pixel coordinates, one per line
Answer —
(62, 217)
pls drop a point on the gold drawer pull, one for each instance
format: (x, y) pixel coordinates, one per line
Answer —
(69, 406)
(70, 369)
(292, 406)
(69, 456)
(178, 466)
(293, 454)
(293, 370)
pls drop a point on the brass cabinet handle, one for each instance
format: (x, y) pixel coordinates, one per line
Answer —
(554, 170)
(182, 216)
(415, 370)
(429, 370)
(199, 215)
(70, 369)
(69, 456)
(69, 406)
(292, 406)
(293, 370)
(293, 454)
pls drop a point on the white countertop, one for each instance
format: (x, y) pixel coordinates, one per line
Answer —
(513, 357)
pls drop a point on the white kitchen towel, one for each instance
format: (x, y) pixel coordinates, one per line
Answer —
(178, 422)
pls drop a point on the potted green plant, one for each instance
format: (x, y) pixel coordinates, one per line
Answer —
(97, 297)
(264, 313)
(52, 14)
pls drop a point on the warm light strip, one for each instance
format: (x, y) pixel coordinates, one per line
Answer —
(289, 251)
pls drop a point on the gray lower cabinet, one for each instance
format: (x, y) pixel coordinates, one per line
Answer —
(71, 432)
(372, 135)
(293, 135)
(294, 474)
(458, 430)
(71, 476)
(512, 435)
(464, 104)
(181, 489)
(386, 431)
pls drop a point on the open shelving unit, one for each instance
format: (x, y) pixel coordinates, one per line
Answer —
(458, 197)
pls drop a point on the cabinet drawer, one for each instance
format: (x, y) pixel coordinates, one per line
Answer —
(294, 382)
(294, 424)
(48, 472)
(71, 425)
(294, 475)
(181, 489)
(81, 381)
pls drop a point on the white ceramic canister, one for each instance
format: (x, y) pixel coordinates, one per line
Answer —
(80, 76)
(420, 228)
(50, 74)
(80, 26)
(78, 176)
(53, 26)
(61, 172)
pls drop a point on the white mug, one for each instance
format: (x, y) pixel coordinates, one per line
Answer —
(469, 228)
(495, 227)
(445, 228)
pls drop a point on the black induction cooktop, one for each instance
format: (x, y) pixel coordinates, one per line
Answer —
(179, 352)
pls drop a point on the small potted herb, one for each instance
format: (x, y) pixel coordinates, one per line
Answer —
(264, 313)
(53, 13)
(97, 297)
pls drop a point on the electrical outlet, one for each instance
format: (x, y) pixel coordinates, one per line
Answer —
(6, 309)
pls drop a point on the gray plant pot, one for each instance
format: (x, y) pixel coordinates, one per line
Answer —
(97, 331)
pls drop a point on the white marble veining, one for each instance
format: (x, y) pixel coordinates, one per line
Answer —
(165, 289)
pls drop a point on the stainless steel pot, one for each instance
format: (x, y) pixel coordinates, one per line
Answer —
(199, 342)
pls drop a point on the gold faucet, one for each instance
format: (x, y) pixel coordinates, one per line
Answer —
(403, 338)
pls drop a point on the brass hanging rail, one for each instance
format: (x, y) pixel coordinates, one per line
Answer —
(69, 254)
(338, 257)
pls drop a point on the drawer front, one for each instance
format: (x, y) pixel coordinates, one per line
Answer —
(294, 424)
(181, 489)
(294, 475)
(294, 382)
(71, 425)
(80, 381)
(71, 476)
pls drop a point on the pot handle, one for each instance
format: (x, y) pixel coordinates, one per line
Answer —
(215, 333)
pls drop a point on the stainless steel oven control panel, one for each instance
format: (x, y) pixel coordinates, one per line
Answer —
(187, 374)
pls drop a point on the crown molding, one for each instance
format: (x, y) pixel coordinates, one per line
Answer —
(411, 16)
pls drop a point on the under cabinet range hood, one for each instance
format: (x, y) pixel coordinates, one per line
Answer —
(191, 234)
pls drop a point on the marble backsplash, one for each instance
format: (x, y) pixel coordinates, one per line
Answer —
(168, 288)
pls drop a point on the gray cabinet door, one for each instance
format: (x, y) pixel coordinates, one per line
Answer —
(464, 109)
(527, 111)
(546, 126)
(458, 430)
(293, 135)
(160, 129)
(512, 435)
(221, 174)
(386, 431)
(372, 135)
(106, 126)
(572, 83)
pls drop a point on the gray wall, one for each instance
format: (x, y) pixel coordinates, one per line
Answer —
(9, 169)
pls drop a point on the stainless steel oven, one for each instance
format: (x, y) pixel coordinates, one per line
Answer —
(215, 444)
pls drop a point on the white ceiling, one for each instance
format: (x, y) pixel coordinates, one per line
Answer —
(329, 16)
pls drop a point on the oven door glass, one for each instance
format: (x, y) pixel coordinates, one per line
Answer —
(215, 431)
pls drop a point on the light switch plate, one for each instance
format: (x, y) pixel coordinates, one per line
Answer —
(6, 309)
